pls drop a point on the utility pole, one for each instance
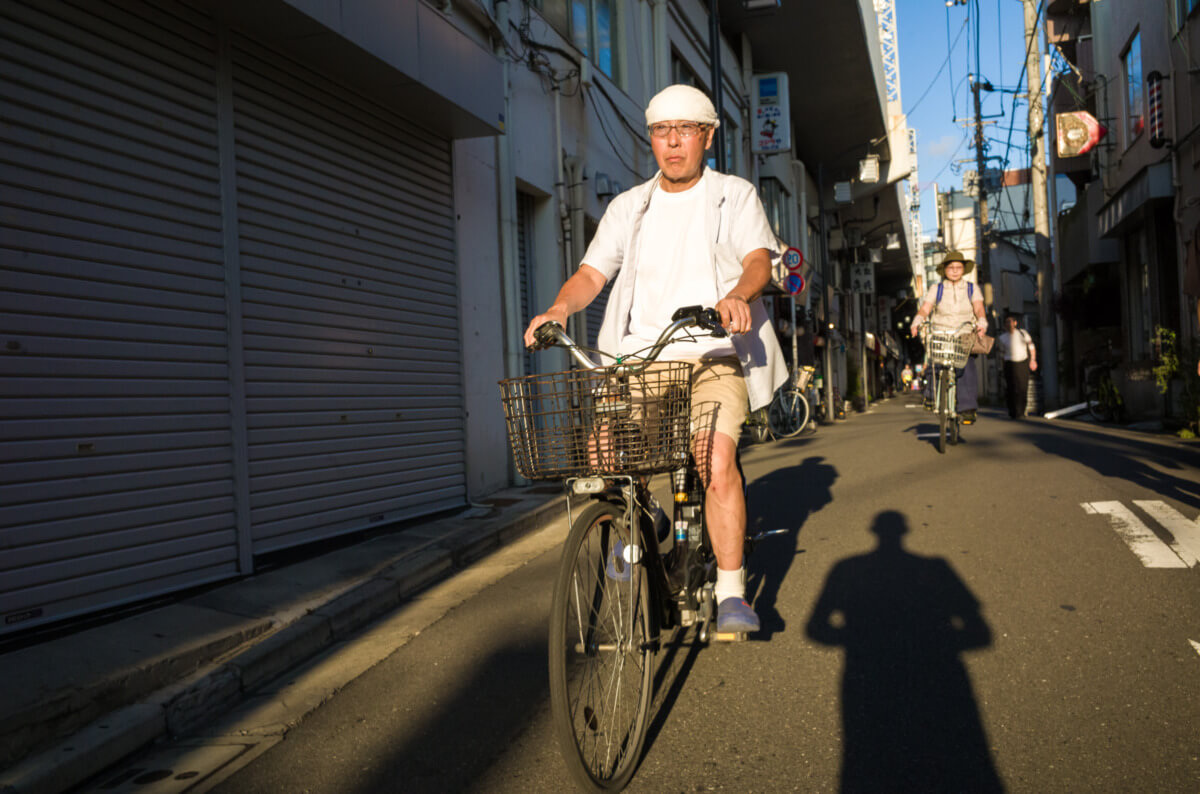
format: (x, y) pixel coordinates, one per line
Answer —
(826, 296)
(1048, 360)
(981, 235)
(984, 250)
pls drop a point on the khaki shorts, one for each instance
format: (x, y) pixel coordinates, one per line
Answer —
(720, 401)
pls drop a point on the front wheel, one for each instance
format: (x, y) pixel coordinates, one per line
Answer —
(601, 649)
(944, 408)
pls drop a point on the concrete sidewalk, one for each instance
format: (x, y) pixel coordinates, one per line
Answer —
(73, 705)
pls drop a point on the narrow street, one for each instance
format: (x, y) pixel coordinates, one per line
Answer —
(1000, 617)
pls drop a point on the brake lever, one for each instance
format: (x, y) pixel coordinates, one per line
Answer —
(545, 336)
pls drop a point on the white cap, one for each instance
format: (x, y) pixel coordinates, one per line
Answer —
(681, 103)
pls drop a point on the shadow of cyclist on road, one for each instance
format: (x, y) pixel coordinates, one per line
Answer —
(783, 499)
(909, 717)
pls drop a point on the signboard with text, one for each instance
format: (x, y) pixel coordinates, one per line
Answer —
(770, 114)
(862, 278)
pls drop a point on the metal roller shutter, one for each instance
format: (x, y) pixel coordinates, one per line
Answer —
(352, 352)
(115, 452)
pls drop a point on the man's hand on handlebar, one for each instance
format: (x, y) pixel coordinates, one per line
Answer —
(735, 314)
(551, 315)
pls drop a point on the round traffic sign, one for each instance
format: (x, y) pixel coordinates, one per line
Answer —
(793, 259)
(794, 283)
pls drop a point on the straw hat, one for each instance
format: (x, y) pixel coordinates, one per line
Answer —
(955, 256)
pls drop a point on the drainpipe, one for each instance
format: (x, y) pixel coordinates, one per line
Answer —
(574, 234)
(513, 345)
(560, 192)
(662, 63)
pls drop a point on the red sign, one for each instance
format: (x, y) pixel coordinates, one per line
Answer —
(794, 283)
(793, 259)
(1078, 133)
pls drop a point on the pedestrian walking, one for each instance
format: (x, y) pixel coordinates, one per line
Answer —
(1020, 358)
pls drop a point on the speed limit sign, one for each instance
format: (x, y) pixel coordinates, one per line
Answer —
(793, 259)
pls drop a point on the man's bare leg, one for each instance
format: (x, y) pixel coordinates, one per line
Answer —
(725, 500)
(725, 511)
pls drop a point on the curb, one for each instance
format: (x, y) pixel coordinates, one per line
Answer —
(184, 705)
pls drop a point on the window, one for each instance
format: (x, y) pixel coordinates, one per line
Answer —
(591, 25)
(681, 73)
(777, 204)
(1134, 106)
(1183, 9)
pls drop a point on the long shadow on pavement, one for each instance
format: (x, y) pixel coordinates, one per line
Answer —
(783, 499)
(910, 721)
(1127, 459)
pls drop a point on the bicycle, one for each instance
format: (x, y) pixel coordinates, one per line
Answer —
(625, 576)
(1104, 401)
(946, 352)
(788, 413)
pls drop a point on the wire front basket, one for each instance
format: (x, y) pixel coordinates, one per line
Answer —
(613, 420)
(949, 348)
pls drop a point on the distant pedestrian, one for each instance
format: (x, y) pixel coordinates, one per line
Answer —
(1020, 358)
(906, 376)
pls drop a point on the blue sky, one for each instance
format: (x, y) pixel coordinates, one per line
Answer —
(936, 95)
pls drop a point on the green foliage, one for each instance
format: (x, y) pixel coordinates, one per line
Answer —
(1185, 433)
(1166, 342)
(1190, 398)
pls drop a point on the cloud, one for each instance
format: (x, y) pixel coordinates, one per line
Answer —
(943, 146)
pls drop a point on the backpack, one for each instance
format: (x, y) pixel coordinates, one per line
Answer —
(970, 291)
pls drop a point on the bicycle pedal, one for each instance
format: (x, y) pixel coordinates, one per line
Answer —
(729, 636)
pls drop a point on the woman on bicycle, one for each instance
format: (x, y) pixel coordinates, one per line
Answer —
(953, 302)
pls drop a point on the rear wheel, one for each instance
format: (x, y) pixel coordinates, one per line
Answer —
(601, 650)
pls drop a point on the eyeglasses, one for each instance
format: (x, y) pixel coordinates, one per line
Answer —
(686, 129)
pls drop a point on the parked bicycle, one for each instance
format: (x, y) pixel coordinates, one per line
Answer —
(1104, 401)
(946, 352)
(789, 412)
(627, 574)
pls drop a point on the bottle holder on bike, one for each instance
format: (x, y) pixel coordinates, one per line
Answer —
(614, 420)
(948, 348)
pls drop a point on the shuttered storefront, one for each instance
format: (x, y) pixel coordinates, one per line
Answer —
(353, 373)
(115, 454)
(122, 388)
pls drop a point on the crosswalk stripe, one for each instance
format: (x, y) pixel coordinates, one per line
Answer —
(1187, 533)
(1141, 540)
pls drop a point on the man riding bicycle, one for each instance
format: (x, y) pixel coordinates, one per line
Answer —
(692, 236)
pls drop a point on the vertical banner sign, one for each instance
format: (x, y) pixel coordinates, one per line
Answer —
(1154, 98)
(862, 278)
(770, 120)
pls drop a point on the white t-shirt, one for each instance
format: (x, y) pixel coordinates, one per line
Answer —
(1015, 346)
(674, 269)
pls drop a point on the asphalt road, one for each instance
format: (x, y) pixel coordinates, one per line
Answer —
(983, 620)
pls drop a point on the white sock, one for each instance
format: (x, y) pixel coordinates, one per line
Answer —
(730, 584)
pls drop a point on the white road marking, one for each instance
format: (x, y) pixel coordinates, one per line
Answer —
(1195, 645)
(1187, 533)
(1141, 539)
(928, 435)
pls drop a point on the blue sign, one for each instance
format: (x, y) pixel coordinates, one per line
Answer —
(794, 283)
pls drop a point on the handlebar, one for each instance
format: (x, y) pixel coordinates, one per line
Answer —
(551, 333)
